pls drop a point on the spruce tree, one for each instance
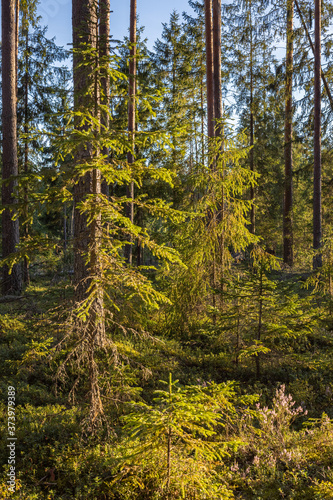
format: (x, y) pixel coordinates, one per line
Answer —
(41, 90)
(172, 74)
(194, 27)
(248, 62)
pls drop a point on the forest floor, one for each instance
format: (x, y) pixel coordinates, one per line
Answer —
(275, 446)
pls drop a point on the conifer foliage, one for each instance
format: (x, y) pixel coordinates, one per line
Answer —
(172, 336)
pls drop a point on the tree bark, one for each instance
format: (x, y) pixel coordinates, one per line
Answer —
(84, 19)
(288, 159)
(12, 283)
(88, 271)
(202, 116)
(87, 239)
(218, 111)
(131, 121)
(83, 33)
(328, 92)
(17, 26)
(26, 276)
(252, 214)
(219, 132)
(209, 68)
(259, 321)
(317, 229)
(104, 53)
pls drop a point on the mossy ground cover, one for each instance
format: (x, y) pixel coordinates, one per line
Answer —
(268, 446)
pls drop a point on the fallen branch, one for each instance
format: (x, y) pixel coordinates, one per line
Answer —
(11, 298)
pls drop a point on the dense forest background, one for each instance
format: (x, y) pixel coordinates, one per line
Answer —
(167, 254)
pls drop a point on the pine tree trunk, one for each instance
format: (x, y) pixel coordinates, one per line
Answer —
(104, 53)
(288, 160)
(26, 276)
(87, 239)
(17, 27)
(202, 117)
(252, 214)
(65, 228)
(259, 322)
(83, 33)
(218, 111)
(12, 283)
(209, 68)
(219, 132)
(317, 229)
(131, 121)
(328, 92)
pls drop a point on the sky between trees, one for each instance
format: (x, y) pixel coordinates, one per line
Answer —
(56, 14)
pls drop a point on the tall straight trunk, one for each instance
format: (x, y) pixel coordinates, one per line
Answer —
(252, 214)
(328, 92)
(83, 33)
(17, 26)
(194, 132)
(65, 219)
(87, 239)
(288, 158)
(209, 68)
(169, 442)
(218, 111)
(104, 53)
(218, 277)
(259, 321)
(26, 276)
(202, 117)
(65, 228)
(12, 283)
(174, 151)
(131, 120)
(97, 314)
(317, 229)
